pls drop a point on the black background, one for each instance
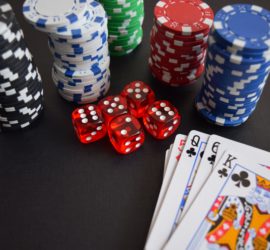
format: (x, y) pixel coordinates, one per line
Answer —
(56, 193)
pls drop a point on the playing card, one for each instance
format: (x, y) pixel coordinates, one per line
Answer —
(232, 210)
(216, 146)
(174, 200)
(167, 157)
(176, 151)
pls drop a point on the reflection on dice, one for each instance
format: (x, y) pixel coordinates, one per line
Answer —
(113, 106)
(126, 134)
(139, 96)
(161, 119)
(88, 123)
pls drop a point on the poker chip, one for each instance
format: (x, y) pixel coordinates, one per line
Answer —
(178, 41)
(78, 40)
(21, 93)
(237, 65)
(124, 25)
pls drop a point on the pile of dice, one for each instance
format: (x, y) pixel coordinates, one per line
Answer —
(118, 116)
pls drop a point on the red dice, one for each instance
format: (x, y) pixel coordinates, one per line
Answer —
(161, 119)
(88, 123)
(139, 96)
(113, 106)
(126, 134)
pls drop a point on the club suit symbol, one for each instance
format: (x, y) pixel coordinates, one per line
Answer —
(223, 173)
(191, 152)
(212, 159)
(241, 179)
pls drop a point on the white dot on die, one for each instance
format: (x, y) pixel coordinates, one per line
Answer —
(151, 126)
(170, 128)
(162, 118)
(89, 138)
(128, 119)
(138, 145)
(154, 109)
(165, 134)
(121, 106)
(99, 128)
(110, 111)
(158, 113)
(162, 104)
(175, 122)
(106, 102)
(85, 120)
(116, 99)
(123, 132)
(128, 150)
(145, 90)
(90, 108)
(94, 133)
(113, 105)
(130, 91)
(93, 113)
(138, 138)
(137, 84)
(171, 113)
(83, 116)
(138, 96)
(167, 109)
(95, 118)
(127, 143)
(138, 90)
(80, 111)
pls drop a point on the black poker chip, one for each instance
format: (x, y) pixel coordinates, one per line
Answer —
(21, 92)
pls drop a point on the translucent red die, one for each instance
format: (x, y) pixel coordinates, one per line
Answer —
(161, 119)
(113, 106)
(88, 123)
(139, 96)
(126, 134)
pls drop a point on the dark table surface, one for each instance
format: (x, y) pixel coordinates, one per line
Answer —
(56, 193)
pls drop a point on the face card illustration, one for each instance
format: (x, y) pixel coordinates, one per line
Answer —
(216, 146)
(232, 210)
(175, 155)
(170, 210)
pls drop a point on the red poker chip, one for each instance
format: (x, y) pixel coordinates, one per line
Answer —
(183, 16)
(171, 63)
(171, 59)
(176, 54)
(171, 35)
(175, 80)
(177, 72)
(161, 44)
(176, 42)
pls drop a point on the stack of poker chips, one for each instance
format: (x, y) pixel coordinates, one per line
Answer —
(21, 93)
(77, 33)
(179, 40)
(125, 25)
(237, 65)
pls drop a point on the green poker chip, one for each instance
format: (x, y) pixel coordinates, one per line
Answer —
(125, 19)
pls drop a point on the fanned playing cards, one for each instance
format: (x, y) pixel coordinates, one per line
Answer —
(215, 195)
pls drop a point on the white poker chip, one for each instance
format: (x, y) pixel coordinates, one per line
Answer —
(50, 13)
(78, 41)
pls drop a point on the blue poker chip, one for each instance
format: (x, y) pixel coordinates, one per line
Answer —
(227, 57)
(219, 120)
(244, 26)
